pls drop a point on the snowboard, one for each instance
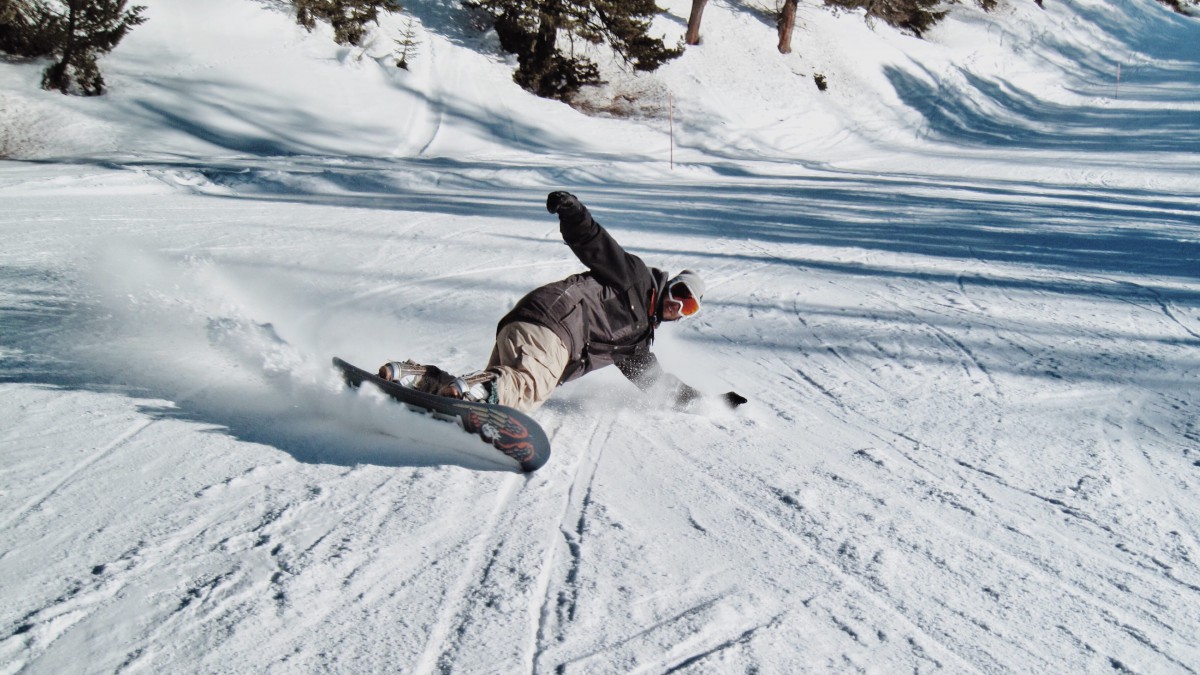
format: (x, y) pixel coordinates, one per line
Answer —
(510, 431)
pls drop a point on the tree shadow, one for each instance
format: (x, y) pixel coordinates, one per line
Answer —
(1127, 245)
(1145, 54)
(1147, 29)
(1014, 118)
(1136, 246)
(1094, 231)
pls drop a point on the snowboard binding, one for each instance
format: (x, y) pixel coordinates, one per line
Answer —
(433, 380)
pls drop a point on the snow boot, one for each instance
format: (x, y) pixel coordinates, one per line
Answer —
(427, 379)
(476, 387)
(433, 380)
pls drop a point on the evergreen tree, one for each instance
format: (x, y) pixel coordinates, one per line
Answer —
(917, 16)
(349, 18)
(1181, 6)
(13, 24)
(407, 45)
(29, 28)
(89, 28)
(531, 30)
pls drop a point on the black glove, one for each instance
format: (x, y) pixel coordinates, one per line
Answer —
(556, 201)
(685, 396)
(734, 399)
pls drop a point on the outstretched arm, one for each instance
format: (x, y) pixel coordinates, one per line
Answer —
(645, 372)
(591, 243)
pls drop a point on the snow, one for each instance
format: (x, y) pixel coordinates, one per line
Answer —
(961, 289)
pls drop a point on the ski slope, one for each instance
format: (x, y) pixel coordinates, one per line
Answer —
(961, 289)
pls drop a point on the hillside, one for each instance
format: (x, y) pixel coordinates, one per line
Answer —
(961, 289)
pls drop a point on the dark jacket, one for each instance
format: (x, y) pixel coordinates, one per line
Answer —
(607, 315)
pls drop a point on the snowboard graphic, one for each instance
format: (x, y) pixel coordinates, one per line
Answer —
(510, 431)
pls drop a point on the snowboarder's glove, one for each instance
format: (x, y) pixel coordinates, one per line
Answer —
(734, 399)
(685, 396)
(557, 201)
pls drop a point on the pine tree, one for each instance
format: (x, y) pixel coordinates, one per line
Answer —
(90, 28)
(13, 23)
(29, 28)
(624, 24)
(532, 29)
(407, 45)
(1180, 6)
(349, 18)
(917, 16)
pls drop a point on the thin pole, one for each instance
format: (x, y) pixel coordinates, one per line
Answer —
(671, 116)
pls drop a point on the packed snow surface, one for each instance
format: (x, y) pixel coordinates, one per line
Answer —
(961, 289)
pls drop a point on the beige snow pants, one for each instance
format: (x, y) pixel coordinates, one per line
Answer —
(529, 360)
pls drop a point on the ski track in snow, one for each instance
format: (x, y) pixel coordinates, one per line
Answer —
(961, 289)
(888, 442)
(22, 512)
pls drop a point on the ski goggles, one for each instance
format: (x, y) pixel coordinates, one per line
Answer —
(681, 295)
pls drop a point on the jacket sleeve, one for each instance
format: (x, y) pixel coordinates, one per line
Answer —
(597, 249)
(644, 370)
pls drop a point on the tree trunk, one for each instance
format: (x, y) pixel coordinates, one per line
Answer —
(693, 29)
(787, 21)
(58, 76)
(538, 71)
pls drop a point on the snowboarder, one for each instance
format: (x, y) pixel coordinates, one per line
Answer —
(560, 331)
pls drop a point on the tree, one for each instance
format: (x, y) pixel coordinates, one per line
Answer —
(13, 24)
(1180, 6)
(349, 18)
(531, 30)
(90, 28)
(786, 23)
(693, 29)
(29, 28)
(917, 16)
(407, 45)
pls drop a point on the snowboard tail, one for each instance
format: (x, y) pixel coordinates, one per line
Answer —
(510, 431)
